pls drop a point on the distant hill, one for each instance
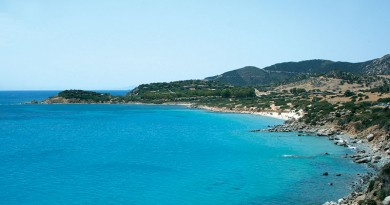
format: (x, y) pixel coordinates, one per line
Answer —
(250, 75)
(281, 72)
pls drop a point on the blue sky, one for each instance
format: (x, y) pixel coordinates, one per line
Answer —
(116, 44)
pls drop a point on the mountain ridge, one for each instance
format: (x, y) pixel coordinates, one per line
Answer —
(277, 73)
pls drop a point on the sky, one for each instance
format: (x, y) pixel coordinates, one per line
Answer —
(117, 44)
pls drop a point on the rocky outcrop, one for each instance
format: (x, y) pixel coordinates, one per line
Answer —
(371, 147)
(301, 128)
(380, 66)
(377, 190)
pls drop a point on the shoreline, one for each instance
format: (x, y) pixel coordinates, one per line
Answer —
(269, 113)
(278, 115)
(362, 150)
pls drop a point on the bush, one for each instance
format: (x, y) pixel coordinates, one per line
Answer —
(367, 202)
(384, 100)
(349, 93)
(297, 91)
(381, 194)
(371, 185)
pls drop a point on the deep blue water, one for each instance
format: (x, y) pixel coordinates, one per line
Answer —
(138, 154)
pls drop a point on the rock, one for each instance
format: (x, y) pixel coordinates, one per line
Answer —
(341, 143)
(362, 151)
(386, 201)
(330, 203)
(363, 160)
(352, 147)
(325, 174)
(377, 157)
(325, 132)
(370, 137)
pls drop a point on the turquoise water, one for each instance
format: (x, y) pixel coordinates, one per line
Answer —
(138, 154)
(18, 97)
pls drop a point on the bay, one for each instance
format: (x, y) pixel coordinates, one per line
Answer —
(140, 154)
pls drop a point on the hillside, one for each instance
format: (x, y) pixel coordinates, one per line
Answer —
(380, 66)
(282, 72)
(250, 75)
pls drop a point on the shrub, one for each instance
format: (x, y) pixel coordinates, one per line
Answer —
(371, 185)
(348, 93)
(367, 202)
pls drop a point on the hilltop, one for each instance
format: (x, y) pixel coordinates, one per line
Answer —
(293, 71)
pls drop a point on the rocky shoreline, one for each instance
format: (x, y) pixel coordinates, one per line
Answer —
(370, 149)
(365, 151)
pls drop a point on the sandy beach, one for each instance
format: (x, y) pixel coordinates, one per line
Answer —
(279, 115)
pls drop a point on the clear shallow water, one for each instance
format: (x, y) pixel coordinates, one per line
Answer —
(137, 154)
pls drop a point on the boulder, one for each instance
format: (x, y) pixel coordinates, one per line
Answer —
(377, 157)
(386, 201)
(330, 203)
(325, 132)
(370, 137)
(325, 174)
(341, 143)
(363, 160)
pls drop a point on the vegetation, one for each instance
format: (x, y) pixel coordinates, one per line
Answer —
(367, 202)
(297, 91)
(250, 76)
(85, 95)
(363, 72)
(349, 93)
(230, 90)
(385, 88)
(189, 90)
(354, 107)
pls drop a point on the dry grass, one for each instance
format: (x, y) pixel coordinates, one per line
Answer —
(327, 84)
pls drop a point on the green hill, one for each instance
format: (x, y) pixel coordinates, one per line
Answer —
(250, 75)
(288, 71)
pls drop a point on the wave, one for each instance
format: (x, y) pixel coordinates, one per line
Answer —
(296, 156)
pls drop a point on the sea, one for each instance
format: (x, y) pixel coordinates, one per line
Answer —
(83, 154)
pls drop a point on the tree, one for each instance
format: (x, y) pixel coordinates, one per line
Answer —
(226, 93)
(349, 93)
